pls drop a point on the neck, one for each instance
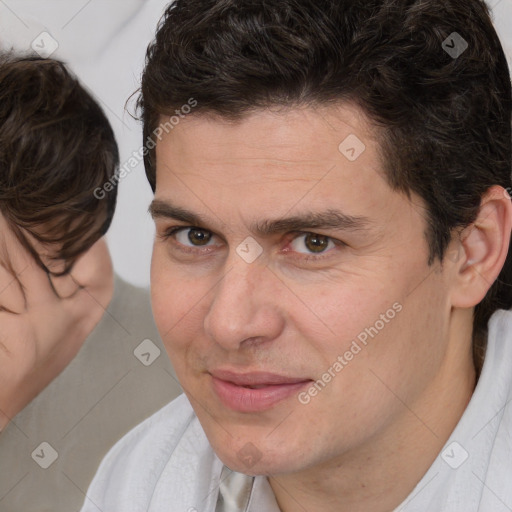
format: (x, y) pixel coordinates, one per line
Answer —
(379, 475)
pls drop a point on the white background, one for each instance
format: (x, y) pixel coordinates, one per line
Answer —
(104, 42)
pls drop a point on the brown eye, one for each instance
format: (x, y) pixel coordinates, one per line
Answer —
(316, 243)
(312, 243)
(199, 237)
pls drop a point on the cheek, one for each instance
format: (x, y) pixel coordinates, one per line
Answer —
(372, 324)
(174, 318)
(175, 308)
(177, 303)
(343, 311)
(402, 345)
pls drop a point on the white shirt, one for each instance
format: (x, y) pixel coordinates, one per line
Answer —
(167, 465)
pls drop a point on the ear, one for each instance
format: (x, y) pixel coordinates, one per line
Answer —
(482, 249)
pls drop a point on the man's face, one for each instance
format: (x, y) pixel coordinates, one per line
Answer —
(335, 271)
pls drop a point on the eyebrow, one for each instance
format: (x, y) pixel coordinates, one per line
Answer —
(329, 219)
(159, 209)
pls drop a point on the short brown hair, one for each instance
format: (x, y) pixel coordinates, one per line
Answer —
(56, 147)
(444, 119)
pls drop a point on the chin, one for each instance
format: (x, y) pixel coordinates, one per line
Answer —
(249, 459)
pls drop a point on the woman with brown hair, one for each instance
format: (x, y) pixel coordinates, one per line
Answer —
(69, 327)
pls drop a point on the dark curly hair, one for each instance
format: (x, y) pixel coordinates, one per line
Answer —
(444, 123)
(56, 147)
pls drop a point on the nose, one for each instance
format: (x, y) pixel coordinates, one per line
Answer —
(245, 307)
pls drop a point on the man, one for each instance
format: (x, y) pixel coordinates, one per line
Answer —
(58, 293)
(332, 261)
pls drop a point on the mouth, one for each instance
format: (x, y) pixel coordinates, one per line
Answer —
(254, 391)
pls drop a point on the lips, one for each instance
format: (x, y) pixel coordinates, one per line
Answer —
(254, 391)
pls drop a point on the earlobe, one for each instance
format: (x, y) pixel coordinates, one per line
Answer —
(483, 248)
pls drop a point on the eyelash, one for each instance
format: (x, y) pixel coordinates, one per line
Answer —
(169, 234)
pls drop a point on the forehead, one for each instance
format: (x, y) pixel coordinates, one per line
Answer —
(306, 135)
(24, 243)
(273, 161)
